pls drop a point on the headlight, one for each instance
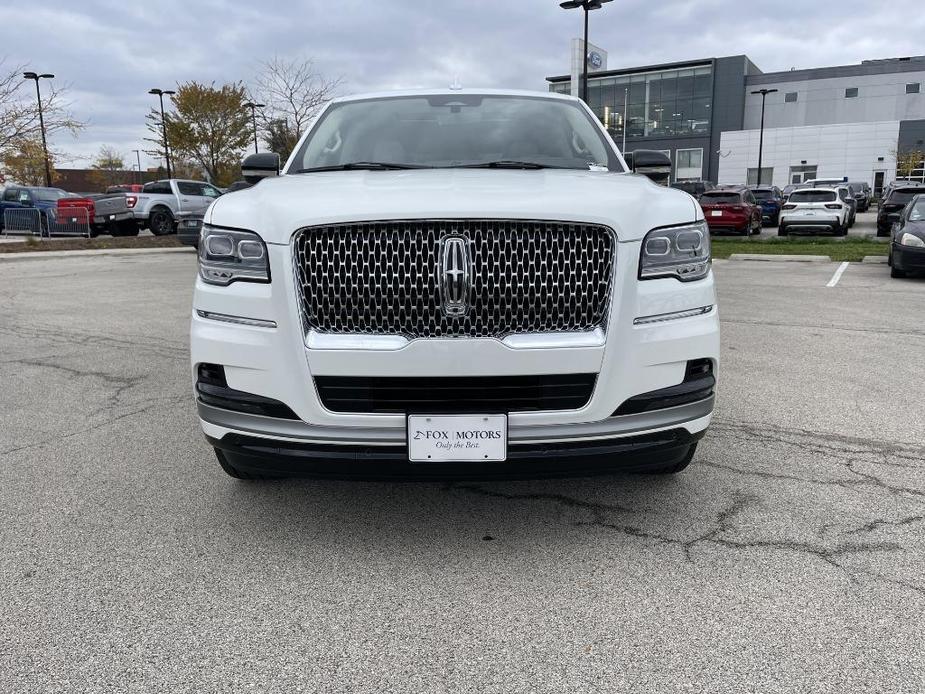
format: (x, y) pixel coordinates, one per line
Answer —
(908, 239)
(682, 252)
(227, 256)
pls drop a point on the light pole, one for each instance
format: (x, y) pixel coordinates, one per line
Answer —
(38, 95)
(587, 6)
(138, 157)
(160, 94)
(253, 107)
(764, 95)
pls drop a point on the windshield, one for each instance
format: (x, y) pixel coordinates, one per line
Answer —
(456, 130)
(813, 196)
(917, 213)
(764, 194)
(721, 199)
(48, 194)
(904, 195)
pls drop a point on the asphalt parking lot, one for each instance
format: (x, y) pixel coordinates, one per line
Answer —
(787, 558)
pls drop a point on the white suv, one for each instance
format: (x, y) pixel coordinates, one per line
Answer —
(450, 281)
(810, 209)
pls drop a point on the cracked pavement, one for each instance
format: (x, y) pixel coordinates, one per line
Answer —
(788, 558)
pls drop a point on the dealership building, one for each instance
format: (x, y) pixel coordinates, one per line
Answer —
(851, 120)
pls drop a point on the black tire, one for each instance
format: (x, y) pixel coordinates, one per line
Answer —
(841, 230)
(232, 471)
(675, 468)
(781, 230)
(894, 273)
(881, 232)
(161, 222)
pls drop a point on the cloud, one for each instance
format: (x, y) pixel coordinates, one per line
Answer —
(111, 52)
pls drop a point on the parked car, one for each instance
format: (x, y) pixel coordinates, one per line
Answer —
(695, 188)
(862, 194)
(771, 200)
(419, 299)
(845, 195)
(907, 247)
(827, 182)
(895, 198)
(159, 203)
(732, 209)
(788, 189)
(189, 226)
(106, 213)
(125, 188)
(45, 200)
(814, 209)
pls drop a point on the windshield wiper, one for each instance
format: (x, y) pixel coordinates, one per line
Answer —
(510, 164)
(363, 166)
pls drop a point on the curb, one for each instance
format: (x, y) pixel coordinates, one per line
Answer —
(50, 255)
(874, 259)
(770, 257)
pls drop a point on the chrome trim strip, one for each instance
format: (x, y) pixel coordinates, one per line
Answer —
(612, 427)
(590, 338)
(237, 320)
(674, 315)
(391, 343)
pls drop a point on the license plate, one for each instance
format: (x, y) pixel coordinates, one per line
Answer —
(716, 213)
(457, 438)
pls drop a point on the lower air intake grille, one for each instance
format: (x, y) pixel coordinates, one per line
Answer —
(481, 394)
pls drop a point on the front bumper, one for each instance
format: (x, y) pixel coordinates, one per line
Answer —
(277, 360)
(908, 258)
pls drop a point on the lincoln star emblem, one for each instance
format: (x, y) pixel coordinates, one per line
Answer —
(454, 276)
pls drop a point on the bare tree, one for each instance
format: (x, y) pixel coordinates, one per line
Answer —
(293, 93)
(19, 113)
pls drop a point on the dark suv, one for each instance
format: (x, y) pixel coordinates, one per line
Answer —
(861, 193)
(771, 200)
(695, 188)
(892, 204)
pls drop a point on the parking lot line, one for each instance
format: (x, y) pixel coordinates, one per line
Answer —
(837, 276)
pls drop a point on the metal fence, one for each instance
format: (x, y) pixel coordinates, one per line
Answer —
(22, 221)
(70, 221)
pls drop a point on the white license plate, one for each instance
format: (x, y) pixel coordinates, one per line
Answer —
(457, 438)
(716, 213)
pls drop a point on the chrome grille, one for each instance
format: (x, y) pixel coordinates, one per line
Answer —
(383, 278)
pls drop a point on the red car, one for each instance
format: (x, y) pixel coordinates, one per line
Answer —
(731, 210)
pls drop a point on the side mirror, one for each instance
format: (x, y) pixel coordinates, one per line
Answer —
(259, 166)
(652, 164)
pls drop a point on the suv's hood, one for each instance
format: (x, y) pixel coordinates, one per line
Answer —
(276, 207)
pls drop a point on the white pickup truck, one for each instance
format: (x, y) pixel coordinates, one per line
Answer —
(161, 203)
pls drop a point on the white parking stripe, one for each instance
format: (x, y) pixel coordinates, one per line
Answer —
(837, 276)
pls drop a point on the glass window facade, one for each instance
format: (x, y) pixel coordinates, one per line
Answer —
(668, 103)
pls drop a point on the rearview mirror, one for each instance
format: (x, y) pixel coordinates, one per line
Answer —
(650, 163)
(259, 166)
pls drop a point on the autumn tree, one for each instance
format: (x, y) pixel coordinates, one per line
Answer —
(293, 92)
(108, 168)
(208, 127)
(19, 114)
(25, 164)
(910, 163)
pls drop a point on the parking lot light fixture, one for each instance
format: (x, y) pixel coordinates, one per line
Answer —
(587, 6)
(764, 95)
(38, 95)
(160, 94)
(253, 107)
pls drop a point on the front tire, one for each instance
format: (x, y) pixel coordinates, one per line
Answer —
(232, 471)
(161, 222)
(675, 468)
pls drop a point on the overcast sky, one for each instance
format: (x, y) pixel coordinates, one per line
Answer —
(110, 52)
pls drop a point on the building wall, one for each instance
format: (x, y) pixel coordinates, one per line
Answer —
(852, 149)
(881, 97)
(729, 75)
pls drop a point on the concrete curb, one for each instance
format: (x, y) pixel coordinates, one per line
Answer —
(54, 255)
(874, 259)
(770, 257)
